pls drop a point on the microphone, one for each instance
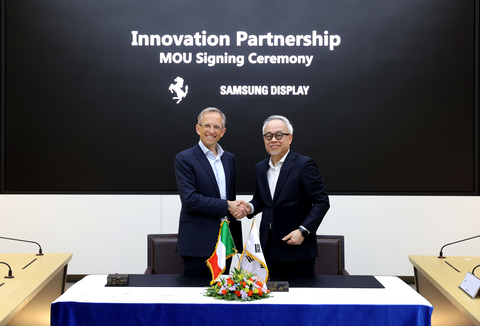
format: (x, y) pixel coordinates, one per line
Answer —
(441, 250)
(39, 247)
(473, 271)
(9, 270)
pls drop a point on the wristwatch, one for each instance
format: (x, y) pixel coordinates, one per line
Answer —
(304, 232)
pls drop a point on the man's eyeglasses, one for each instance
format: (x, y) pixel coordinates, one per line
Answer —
(208, 127)
(278, 135)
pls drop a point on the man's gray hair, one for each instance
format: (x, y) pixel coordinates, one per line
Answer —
(212, 109)
(278, 117)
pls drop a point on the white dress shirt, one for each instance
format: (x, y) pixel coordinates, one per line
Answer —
(273, 172)
(272, 176)
(217, 167)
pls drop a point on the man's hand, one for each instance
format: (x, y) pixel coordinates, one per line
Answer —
(294, 238)
(238, 208)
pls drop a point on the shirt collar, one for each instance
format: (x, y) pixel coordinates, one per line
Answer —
(281, 160)
(206, 151)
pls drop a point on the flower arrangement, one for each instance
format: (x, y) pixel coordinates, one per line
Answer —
(240, 286)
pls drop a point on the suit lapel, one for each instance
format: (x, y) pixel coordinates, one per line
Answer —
(208, 168)
(284, 172)
(228, 175)
(264, 181)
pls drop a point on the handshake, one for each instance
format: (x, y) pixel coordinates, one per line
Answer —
(239, 208)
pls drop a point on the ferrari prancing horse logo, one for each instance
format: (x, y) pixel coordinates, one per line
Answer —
(178, 89)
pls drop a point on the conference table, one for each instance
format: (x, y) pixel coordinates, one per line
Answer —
(438, 280)
(37, 281)
(330, 300)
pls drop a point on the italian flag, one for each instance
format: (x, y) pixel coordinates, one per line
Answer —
(224, 249)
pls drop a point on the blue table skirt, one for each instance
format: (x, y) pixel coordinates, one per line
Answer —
(118, 314)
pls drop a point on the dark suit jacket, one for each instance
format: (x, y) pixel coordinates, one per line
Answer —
(202, 208)
(300, 185)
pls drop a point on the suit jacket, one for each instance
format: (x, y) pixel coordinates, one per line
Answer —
(202, 207)
(299, 185)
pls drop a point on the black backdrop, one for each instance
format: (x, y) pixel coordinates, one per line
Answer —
(390, 109)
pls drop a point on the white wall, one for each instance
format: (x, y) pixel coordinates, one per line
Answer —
(107, 233)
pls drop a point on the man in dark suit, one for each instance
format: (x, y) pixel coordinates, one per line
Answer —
(290, 194)
(205, 177)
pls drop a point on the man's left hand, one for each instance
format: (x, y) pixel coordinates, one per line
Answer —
(294, 238)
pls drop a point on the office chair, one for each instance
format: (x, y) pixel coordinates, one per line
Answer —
(162, 256)
(331, 255)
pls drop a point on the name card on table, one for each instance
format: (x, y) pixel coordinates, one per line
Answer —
(470, 285)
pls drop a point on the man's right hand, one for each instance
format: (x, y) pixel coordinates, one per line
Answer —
(238, 208)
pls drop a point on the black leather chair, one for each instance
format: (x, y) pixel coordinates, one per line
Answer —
(162, 255)
(331, 255)
(163, 259)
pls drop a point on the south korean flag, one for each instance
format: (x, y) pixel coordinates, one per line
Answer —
(252, 259)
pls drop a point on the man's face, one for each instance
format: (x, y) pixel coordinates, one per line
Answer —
(211, 129)
(277, 147)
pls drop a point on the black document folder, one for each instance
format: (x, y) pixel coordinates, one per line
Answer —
(317, 281)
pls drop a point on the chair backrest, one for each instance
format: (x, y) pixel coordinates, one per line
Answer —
(162, 255)
(331, 255)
